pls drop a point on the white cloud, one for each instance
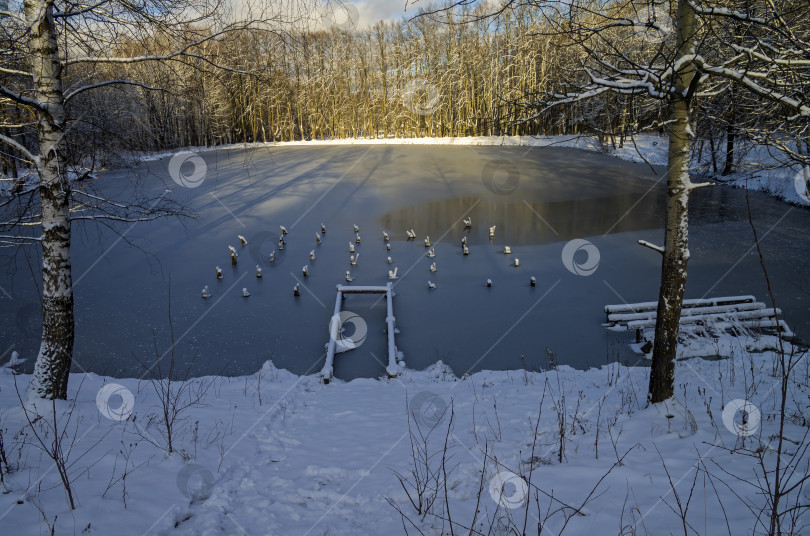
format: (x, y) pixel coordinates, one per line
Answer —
(316, 12)
(372, 11)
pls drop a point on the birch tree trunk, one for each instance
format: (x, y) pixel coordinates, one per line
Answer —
(56, 349)
(676, 243)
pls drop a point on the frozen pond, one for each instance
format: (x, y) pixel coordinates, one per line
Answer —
(538, 199)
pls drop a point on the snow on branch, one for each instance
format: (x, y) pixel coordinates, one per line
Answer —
(177, 55)
(123, 219)
(743, 78)
(696, 186)
(14, 240)
(787, 150)
(21, 99)
(628, 86)
(725, 12)
(109, 83)
(13, 72)
(558, 99)
(10, 141)
(786, 62)
(132, 59)
(652, 246)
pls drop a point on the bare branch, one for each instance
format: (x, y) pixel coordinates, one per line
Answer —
(652, 246)
(109, 83)
(10, 141)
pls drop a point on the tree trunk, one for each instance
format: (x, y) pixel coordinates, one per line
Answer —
(52, 367)
(676, 247)
(729, 166)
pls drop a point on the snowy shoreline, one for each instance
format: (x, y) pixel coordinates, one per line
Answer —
(276, 453)
(650, 146)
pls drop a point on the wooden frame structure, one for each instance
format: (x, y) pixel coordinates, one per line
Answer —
(394, 367)
(714, 313)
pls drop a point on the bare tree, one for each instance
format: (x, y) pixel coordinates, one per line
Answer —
(666, 50)
(54, 52)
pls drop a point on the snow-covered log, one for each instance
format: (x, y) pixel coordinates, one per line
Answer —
(713, 315)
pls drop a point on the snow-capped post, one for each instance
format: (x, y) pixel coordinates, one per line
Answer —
(393, 369)
(334, 329)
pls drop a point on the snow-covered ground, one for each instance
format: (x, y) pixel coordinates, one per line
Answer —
(768, 170)
(760, 169)
(275, 453)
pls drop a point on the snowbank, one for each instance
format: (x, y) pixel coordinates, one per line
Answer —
(653, 148)
(766, 169)
(274, 453)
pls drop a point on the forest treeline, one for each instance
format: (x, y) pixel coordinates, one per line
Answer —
(429, 76)
(457, 71)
